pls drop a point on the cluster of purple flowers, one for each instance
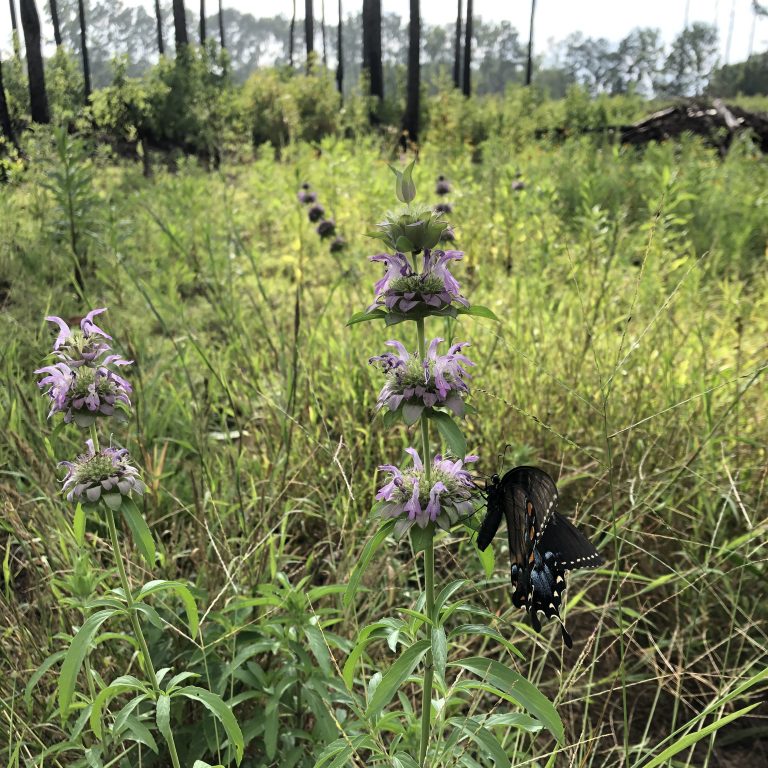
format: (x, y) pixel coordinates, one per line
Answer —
(83, 384)
(443, 499)
(106, 474)
(326, 228)
(402, 290)
(413, 384)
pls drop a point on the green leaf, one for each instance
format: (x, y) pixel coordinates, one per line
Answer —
(484, 630)
(365, 316)
(139, 732)
(421, 537)
(363, 638)
(142, 536)
(76, 655)
(78, 524)
(319, 649)
(369, 550)
(163, 717)
(396, 675)
(405, 189)
(215, 704)
(38, 673)
(692, 738)
(404, 245)
(182, 591)
(445, 594)
(403, 760)
(487, 559)
(517, 688)
(118, 686)
(439, 651)
(450, 432)
(474, 729)
(478, 310)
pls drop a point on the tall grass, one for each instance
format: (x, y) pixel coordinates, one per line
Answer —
(629, 362)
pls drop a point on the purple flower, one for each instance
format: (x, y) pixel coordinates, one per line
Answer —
(82, 393)
(518, 186)
(107, 475)
(306, 197)
(438, 380)
(326, 228)
(402, 290)
(443, 208)
(443, 500)
(443, 186)
(315, 213)
(84, 346)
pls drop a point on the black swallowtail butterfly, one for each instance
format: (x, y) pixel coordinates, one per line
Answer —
(543, 545)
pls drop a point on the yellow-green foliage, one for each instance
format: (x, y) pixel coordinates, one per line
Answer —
(629, 362)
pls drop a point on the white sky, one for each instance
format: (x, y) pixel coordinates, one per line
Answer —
(555, 19)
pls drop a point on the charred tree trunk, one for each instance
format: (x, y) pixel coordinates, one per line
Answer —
(221, 27)
(159, 19)
(5, 116)
(457, 49)
(291, 36)
(84, 50)
(529, 63)
(54, 8)
(38, 98)
(372, 47)
(202, 22)
(309, 29)
(467, 82)
(411, 122)
(15, 30)
(180, 25)
(340, 56)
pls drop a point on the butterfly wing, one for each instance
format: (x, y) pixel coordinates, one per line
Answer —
(522, 530)
(568, 544)
(540, 490)
(492, 519)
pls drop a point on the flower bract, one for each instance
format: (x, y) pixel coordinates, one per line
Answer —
(106, 475)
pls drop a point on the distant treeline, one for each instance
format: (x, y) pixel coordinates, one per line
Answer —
(639, 62)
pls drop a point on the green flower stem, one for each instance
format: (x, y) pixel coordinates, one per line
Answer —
(149, 670)
(429, 575)
(95, 437)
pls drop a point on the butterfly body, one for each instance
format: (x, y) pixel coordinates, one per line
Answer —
(543, 545)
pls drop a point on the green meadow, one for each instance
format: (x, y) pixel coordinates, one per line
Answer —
(628, 361)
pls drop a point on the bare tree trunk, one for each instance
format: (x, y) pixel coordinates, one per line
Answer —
(457, 50)
(54, 8)
(202, 22)
(84, 51)
(529, 64)
(291, 36)
(467, 84)
(221, 27)
(15, 31)
(38, 98)
(372, 46)
(411, 122)
(180, 25)
(5, 116)
(340, 56)
(309, 28)
(159, 17)
(322, 32)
